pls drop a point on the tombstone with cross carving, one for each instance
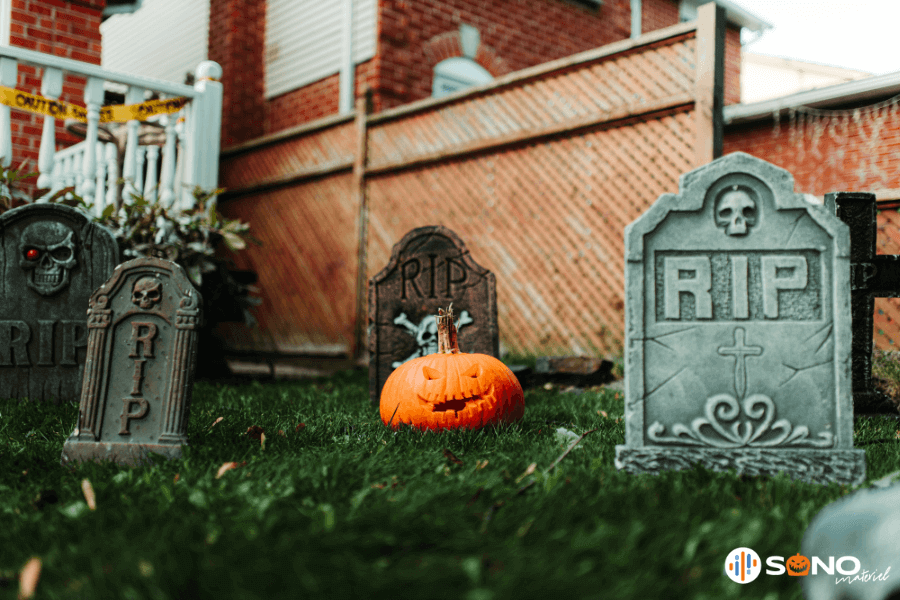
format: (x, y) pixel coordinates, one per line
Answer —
(738, 341)
(429, 268)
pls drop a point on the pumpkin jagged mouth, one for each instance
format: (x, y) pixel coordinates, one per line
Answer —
(454, 404)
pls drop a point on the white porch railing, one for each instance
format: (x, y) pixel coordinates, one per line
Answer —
(165, 166)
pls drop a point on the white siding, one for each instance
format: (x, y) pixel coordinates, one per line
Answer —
(164, 39)
(303, 40)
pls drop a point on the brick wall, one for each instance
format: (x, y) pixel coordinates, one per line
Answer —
(61, 27)
(827, 154)
(413, 36)
(237, 32)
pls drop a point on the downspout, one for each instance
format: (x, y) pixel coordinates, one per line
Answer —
(5, 19)
(346, 92)
(635, 18)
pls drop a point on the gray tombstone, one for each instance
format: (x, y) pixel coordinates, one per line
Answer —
(139, 376)
(737, 330)
(429, 268)
(864, 527)
(54, 257)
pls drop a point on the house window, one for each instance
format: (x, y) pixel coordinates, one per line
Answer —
(457, 73)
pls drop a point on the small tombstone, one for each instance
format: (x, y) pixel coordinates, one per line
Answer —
(140, 367)
(54, 257)
(737, 343)
(429, 268)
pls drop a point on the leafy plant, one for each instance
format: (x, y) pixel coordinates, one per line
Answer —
(188, 237)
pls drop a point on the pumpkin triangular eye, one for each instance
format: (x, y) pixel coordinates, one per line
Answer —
(431, 373)
(474, 371)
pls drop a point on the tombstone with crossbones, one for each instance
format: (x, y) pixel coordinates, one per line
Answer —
(425, 333)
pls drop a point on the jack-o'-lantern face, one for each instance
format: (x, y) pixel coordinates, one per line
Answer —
(451, 391)
(797, 565)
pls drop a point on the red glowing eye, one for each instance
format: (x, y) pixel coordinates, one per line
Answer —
(32, 254)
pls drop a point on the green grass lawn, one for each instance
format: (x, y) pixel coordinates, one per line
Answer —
(343, 507)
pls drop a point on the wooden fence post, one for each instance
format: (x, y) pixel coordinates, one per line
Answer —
(710, 83)
(362, 201)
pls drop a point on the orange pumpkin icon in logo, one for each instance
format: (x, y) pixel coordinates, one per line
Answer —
(797, 565)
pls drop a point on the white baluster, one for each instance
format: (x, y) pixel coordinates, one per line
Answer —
(167, 176)
(134, 95)
(182, 188)
(8, 76)
(112, 167)
(93, 98)
(139, 156)
(77, 159)
(58, 176)
(100, 181)
(68, 175)
(150, 185)
(51, 87)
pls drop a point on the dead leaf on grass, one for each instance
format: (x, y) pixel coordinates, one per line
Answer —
(89, 495)
(262, 441)
(281, 433)
(452, 456)
(481, 465)
(602, 413)
(255, 432)
(214, 423)
(28, 578)
(227, 467)
(527, 472)
(300, 426)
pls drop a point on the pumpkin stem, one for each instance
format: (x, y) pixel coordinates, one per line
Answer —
(446, 332)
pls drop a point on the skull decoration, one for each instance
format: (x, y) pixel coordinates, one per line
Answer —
(425, 333)
(864, 525)
(47, 255)
(736, 211)
(147, 292)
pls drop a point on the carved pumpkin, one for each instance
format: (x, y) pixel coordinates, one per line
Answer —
(451, 389)
(797, 565)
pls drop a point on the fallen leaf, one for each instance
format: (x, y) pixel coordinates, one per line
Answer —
(897, 435)
(89, 495)
(214, 423)
(262, 440)
(254, 432)
(527, 472)
(300, 426)
(602, 413)
(177, 477)
(28, 577)
(452, 457)
(379, 486)
(225, 467)
(281, 433)
(482, 465)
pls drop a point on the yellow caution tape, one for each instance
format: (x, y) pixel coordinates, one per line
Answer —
(59, 109)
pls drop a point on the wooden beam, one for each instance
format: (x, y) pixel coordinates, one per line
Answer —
(681, 101)
(362, 201)
(710, 82)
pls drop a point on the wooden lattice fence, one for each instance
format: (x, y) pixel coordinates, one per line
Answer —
(538, 173)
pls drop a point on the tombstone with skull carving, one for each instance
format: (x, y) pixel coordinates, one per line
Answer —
(54, 257)
(737, 330)
(429, 268)
(141, 356)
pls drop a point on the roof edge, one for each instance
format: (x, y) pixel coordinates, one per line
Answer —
(878, 86)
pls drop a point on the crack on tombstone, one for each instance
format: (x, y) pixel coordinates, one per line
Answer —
(667, 380)
(794, 228)
(797, 370)
(653, 337)
(829, 327)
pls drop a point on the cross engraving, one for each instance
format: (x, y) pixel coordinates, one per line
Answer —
(740, 352)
